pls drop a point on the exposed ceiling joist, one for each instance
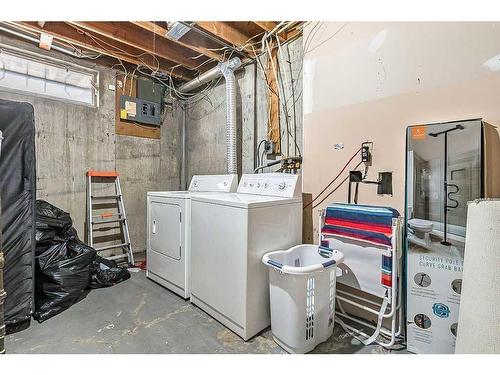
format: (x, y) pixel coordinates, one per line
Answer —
(228, 33)
(127, 33)
(63, 32)
(147, 44)
(269, 26)
(162, 32)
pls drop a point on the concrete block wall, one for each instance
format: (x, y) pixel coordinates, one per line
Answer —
(71, 138)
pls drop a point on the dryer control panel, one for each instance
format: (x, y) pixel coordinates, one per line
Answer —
(227, 183)
(272, 184)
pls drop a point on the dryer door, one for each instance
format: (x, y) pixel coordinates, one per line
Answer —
(165, 229)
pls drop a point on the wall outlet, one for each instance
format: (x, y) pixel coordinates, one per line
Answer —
(269, 147)
(367, 152)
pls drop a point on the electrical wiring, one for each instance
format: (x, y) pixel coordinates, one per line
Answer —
(266, 79)
(334, 190)
(275, 71)
(332, 181)
(285, 99)
(192, 99)
(286, 103)
(330, 37)
(297, 149)
(258, 149)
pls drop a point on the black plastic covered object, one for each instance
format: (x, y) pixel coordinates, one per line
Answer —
(17, 188)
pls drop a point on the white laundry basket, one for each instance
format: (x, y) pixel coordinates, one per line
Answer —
(302, 295)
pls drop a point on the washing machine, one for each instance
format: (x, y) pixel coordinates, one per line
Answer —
(230, 234)
(168, 249)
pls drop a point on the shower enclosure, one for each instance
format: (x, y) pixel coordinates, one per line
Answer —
(443, 174)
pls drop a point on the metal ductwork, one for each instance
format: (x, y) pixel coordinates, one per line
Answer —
(225, 69)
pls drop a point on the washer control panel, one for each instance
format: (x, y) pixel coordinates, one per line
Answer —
(273, 184)
(218, 183)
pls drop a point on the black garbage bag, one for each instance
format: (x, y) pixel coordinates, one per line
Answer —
(65, 268)
(105, 273)
(62, 274)
(51, 217)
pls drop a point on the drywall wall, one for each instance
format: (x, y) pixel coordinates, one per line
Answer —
(206, 118)
(369, 81)
(70, 139)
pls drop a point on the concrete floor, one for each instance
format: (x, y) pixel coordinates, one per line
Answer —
(140, 316)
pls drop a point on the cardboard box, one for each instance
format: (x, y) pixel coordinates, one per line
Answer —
(434, 271)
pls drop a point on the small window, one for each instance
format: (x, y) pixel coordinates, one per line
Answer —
(42, 75)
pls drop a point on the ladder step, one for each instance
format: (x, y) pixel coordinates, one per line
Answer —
(97, 222)
(92, 173)
(108, 221)
(111, 247)
(106, 197)
(117, 257)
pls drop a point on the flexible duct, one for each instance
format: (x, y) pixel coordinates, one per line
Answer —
(227, 70)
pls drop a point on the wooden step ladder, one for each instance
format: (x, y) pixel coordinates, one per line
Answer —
(96, 220)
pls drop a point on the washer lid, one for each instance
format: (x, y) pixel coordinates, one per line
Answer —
(243, 200)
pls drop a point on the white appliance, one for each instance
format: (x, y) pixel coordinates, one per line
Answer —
(230, 234)
(168, 250)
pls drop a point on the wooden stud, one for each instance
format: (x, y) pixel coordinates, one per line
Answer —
(273, 125)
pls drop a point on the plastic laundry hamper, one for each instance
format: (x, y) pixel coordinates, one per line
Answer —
(302, 296)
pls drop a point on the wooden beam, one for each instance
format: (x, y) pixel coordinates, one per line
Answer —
(295, 31)
(227, 33)
(273, 102)
(63, 32)
(269, 26)
(162, 32)
(136, 37)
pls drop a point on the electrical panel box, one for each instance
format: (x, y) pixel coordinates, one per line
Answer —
(140, 110)
(150, 90)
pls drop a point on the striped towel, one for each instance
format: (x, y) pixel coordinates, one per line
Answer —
(372, 224)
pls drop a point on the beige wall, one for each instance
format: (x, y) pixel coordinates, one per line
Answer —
(370, 81)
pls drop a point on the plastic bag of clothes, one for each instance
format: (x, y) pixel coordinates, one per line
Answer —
(106, 273)
(62, 274)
